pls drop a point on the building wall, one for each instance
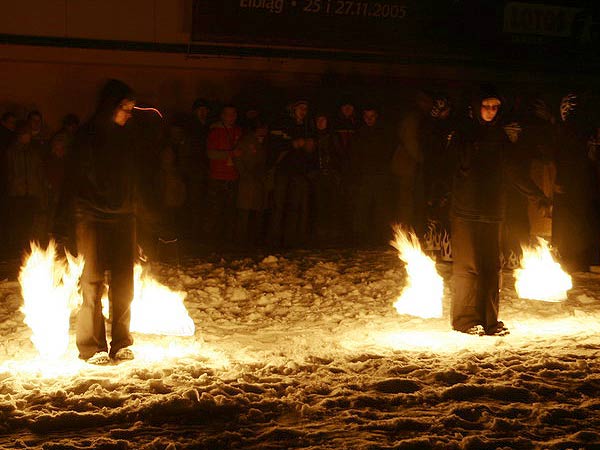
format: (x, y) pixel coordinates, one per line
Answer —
(166, 21)
(59, 80)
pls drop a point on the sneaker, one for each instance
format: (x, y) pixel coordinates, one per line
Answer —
(475, 330)
(498, 330)
(99, 359)
(123, 354)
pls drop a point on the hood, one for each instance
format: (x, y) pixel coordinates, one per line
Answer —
(111, 94)
(487, 91)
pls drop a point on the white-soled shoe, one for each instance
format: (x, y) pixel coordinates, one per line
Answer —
(99, 359)
(124, 354)
(475, 330)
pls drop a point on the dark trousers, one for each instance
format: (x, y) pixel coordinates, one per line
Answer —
(328, 208)
(289, 217)
(410, 200)
(196, 206)
(25, 223)
(221, 210)
(477, 274)
(372, 216)
(571, 232)
(248, 225)
(106, 244)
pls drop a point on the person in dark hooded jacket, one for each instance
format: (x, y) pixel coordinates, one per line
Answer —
(103, 193)
(482, 168)
(573, 219)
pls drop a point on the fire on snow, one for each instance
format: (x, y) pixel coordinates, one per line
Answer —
(540, 277)
(424, 290)
(50, 288)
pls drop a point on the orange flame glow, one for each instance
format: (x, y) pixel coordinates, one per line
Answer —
(540, 277)
(423, 293)
(50, 290)
(49, 286)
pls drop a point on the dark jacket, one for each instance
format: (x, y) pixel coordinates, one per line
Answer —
(252, 167)
(344, 129)
(371, 152)
(25, 172)
(103, 166)
(327, 159)
(483, 165)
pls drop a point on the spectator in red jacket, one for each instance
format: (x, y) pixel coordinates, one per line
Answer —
(223, 175)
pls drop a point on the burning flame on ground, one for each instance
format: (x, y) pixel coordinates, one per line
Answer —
(423, 293)
(51, 293)
(540, 277)
(156, 309)
(49, 287)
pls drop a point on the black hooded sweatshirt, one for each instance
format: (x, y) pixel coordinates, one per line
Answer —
(103, 164)
(483, 166)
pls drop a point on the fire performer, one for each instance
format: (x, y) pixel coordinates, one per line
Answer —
(103, 170)
(482, 167)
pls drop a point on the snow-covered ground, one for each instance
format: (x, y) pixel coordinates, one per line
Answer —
(306, 351)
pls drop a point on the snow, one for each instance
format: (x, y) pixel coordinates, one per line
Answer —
(305, 350)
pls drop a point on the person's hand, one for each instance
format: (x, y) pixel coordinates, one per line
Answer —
(513, 130)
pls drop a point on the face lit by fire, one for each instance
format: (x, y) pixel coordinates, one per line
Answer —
(35, 123)
(370, 117)
(123, 112)
(347, 110)
(202, 113)
(489, 109)
(229, 116)
(300, 112)
(567, 106)
(321, 123)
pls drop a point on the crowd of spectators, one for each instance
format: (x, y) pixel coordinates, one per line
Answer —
(229, 177)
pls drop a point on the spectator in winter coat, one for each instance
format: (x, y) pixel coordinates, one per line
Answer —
(573, 220)
(194, 164)
(295, 124)
(408, 164)
(345, 127)
(291, 162)
(326, 183)
(251, 163)
(8, 123)
(172, 193)
(289, 216)
(222, 184)
(437, 132)
(55, 172)
(26, 188)
(370, 166)
(39, 133)
(483, 167)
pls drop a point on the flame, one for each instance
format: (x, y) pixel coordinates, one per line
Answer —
(49, 286)
(423, 294)
(156, 309)
(50, 290)
(540, 277)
